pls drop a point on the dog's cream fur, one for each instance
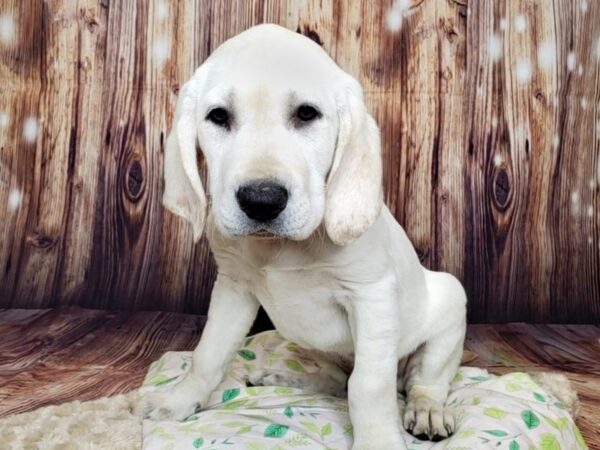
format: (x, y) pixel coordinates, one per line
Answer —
(335, 271)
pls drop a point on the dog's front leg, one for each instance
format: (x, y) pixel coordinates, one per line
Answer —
(231, 313)
(372, 387)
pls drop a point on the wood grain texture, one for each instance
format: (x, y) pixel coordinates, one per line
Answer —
(55, 356)
(494, 179)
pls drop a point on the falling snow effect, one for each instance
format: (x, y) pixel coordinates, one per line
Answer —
(571, 61)
(592, 184)
(575, 203)
(580, 70)
(555, 141)
(3, 120)
(520, 23)
(494, 121)
(546, 55)
(395, 15)
(503, 24)
(7, 28)
(584, 103)
(590, 211)
(495, 47)
(523, 71)
(30, 129)
(160, 51)
(583, 6)
(14, 200)
(162, 10)
(498, 160)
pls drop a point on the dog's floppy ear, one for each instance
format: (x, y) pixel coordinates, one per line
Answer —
(184, 194)
(354, 190)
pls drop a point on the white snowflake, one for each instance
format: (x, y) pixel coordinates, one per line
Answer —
(571, 61)
(580, 70)
(523, 70)
(395, 15)
(162, 10)
(30, 129)
(583, 6)
(503, 24)
(7, 28)
(160, 51)
(3, 120)
(495, 47)
(14, 199)
(584, 103)
(520, 23)
(393, 21)
(575, 203)
(498, 160)
(521, 133)
(555, 141)
(547, 55)
(592, 184)
(494, 121)
(575, 197)
(590, 211)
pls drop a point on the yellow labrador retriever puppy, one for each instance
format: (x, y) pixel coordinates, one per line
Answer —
(297, 224)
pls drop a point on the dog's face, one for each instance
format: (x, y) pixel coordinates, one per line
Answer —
(268, 137)
(286, 138)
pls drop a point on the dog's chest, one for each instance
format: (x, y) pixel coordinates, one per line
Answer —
(302, 305)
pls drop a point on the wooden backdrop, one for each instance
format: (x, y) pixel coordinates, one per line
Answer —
(490, 117)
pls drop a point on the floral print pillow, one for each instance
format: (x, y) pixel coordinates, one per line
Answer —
(506, 412)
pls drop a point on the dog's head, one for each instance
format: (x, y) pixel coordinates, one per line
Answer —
(286, 137)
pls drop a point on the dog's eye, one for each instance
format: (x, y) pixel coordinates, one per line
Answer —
(307, 113)
(219, 116)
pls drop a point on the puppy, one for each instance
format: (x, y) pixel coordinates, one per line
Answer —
(297, 224)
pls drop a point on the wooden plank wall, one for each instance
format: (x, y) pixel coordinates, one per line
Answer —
(490, 117)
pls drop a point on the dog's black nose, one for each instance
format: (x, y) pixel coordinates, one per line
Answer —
(262, 200)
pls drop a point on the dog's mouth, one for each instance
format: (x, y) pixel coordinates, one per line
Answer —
(264, 234)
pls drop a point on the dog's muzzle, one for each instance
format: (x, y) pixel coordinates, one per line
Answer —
(262, 200)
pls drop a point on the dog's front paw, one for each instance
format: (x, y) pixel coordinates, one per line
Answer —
(166, 405)
(178, 403)
(425, 418)
(379, 443)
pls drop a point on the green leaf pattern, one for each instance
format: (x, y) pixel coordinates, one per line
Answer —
(504, 412)
(549, 442)
(495, 412)
(530, 419)
(230, 394)
(248, 355)
(276, 430)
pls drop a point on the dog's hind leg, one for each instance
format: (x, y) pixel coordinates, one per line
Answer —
(430, 369)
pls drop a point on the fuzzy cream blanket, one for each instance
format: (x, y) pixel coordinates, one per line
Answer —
(106, 423)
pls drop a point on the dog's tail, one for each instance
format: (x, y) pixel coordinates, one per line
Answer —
(561, 387)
